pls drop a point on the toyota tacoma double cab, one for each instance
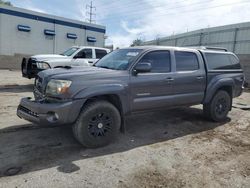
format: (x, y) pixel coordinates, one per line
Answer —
(96, 100)
(74, 56)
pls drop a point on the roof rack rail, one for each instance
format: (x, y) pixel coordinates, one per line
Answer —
(208, 48)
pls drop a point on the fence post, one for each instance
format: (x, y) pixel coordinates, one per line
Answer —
(201, 35)
(235, 39)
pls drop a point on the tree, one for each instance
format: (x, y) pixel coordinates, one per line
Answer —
(2, 2)
(137, 42)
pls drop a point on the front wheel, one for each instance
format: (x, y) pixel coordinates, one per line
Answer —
(219, 106)
(97, 125)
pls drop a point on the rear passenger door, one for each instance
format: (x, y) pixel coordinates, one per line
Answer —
(190, 78)
(99, 53)
(152, 89)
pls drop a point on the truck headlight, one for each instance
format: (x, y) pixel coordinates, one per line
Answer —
(42, 65)
(56, 87)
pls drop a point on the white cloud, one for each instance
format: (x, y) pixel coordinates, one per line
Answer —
(166, 18)
(148, 19)
(29, 7)
(28, 4)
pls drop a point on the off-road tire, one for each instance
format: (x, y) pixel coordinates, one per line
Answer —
(98, 124)
(219, 106)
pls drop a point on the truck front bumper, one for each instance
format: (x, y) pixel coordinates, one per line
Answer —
(49, 113)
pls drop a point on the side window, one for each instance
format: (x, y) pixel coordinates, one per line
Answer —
(100, 53)
(218, 61)
(235, 62)
(186, 61)
(160, 61)
(85, 53)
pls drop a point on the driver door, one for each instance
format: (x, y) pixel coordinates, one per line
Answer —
(153, 89)
(83, 56)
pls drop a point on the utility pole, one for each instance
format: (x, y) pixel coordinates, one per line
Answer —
(90, 13)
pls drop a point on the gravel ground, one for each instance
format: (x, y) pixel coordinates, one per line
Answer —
(171, 148)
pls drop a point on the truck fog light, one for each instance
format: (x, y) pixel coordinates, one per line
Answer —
(52, 117)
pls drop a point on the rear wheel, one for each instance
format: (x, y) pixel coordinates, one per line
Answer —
(97, 125)
(219, 106)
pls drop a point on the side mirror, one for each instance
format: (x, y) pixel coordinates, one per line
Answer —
(142, 68)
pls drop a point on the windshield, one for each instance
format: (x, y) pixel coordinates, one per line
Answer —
(70, 51)
(118, 59)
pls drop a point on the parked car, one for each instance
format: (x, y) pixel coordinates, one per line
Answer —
(96, 100)
(75, 56)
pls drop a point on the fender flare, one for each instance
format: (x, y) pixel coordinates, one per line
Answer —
(107, 89)
(213, 87)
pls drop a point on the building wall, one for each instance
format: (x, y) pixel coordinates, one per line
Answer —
(15, 43)
(235, 38)
(245, 63)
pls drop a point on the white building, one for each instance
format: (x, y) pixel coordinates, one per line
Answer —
(24, 32)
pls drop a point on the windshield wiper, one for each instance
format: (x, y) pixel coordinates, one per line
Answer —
(105, 67)
(65, 67)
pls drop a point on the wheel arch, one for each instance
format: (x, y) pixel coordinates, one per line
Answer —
(222, 84)
(114, 99)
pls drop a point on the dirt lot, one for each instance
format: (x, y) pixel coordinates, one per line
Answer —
(174, 148)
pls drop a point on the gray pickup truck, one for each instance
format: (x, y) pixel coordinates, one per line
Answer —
(96, 100)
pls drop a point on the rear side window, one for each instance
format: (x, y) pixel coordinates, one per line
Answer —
(217, 61)
(100, 53)
(160, 61)
(186, 61)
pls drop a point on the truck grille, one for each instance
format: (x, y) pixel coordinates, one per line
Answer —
(39, 84)
(32, 63)
(39, 88)
(27, 111)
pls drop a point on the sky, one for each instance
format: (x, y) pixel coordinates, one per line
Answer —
(127, 20)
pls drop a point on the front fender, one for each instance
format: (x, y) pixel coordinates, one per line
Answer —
(119, 90)
(214, 85)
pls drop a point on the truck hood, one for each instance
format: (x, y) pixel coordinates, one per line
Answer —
(81, 73)
(82, 77)
(46, 57)
(85, 79)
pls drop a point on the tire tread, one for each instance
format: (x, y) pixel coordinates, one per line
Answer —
(208, 108)
(77, 125)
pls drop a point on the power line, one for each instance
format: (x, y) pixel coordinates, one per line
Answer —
(107, 8)
(114, 4)
(138, 3)
(160, 6)
(194, 10)
(90, 12)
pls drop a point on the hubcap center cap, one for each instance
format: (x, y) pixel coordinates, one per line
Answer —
(100, 125)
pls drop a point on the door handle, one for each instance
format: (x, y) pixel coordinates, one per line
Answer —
(199, 77)
(169, 80)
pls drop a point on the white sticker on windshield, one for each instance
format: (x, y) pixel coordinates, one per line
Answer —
(133, 54)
